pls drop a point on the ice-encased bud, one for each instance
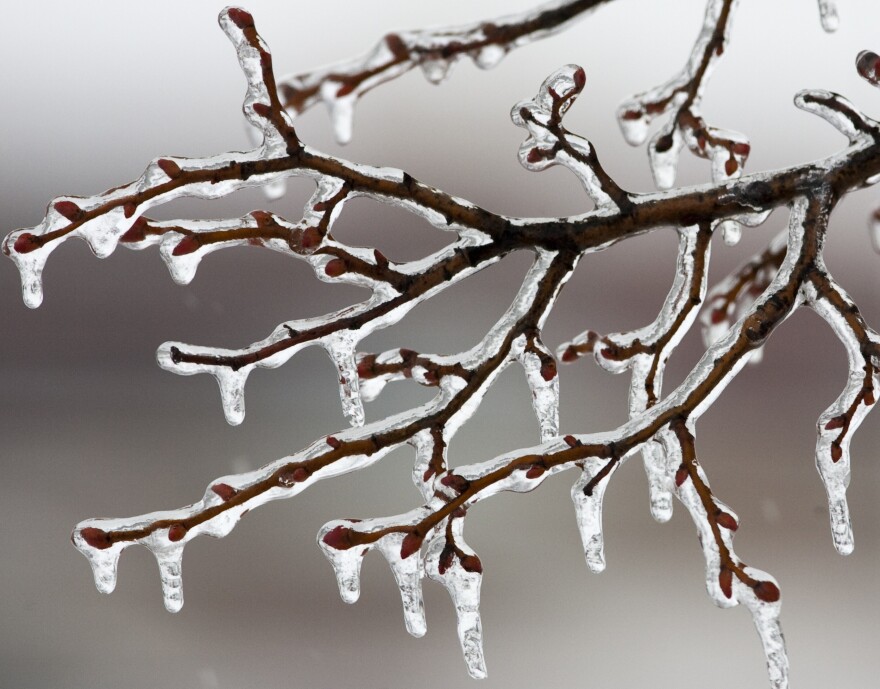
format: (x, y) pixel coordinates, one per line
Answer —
(346, 561)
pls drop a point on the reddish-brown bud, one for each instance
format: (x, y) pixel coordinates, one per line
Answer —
(365, 366)
(97, 538)
(767, 591)
(726, 520)
(535, 471)
(69, 210)
(339, 538)
(136, 233)
(335, 267)
(458, 483)
(26, 242)
(262, 110)
(241, 18)
(176, 532)
(169, 167)
(571, 441)
(129, 209)
(731, 166)
(836, 422)
(868, 398)
(741, 149)
(570, 354)
(580, 78)
(868, 65)
(397, 46)
(381, 260)
(681, 475)
(346, 88)
(548, 370)
(333, 442)
(535, 155)
(187, 245)
(725, 581)
(836, 451)
(311, 237)
(631, 115)
(471, 563)
(412, 543)
(225, 491)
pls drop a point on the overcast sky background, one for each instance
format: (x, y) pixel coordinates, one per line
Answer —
(91, 427)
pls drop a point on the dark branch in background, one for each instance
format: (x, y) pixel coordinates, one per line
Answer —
(738, 315)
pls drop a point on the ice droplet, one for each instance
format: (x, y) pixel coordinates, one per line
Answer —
(170, 574)
(588, 512)
(731, 232)
(489, 56)
(663, 155)
(104, 565)
(346, 563)
(464, 589)
(408, 575)
(437, 70)
(341, 351)
(828, 15)
(341, 112)
(275, 189)
(633, 124)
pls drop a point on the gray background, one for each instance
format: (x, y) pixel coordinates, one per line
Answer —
(91, 427)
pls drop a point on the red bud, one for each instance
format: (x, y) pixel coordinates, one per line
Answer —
(731, 166)
(176, 532)
(339, 537)
(169, 167)
(187, 245)
(335, 267)
(767, 591)
(69, 210)
(446, 558)
(128, 209)
(836, 451)
(311, 237)
(580, 78)
(631, 115)
(727, 521)
(681, 475)
(718, 316)
(836, 422)
(333, 442)
(241, 18)
(471, 563)
(26, 242)
(570, 354)
(97, 538)
(458, 483)
(225, 491)
(535, 471)
(262, 110)
(548, 371)
(571, 441)
(412, 543)
(135, 233)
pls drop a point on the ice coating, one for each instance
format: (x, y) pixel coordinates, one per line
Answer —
(339, 86)
(680, 98)
(661, 427)
(341, 350)
(543, 381)
(587, 495)
(408, 573)
(463, 586)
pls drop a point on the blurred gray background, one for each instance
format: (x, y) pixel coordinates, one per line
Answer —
(91, 427)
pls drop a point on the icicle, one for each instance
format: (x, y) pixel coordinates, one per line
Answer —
(828, 15)
(341, 350)
(346, 562)
(731, 232)
(663, 155)
(588, 511)
(543, 381)
(341, 110)
(463, 586)
(424, 444)
(765, 614)
(232, 392)
(408, 575)
(182, 266)
(654, 458)
(170, 574)
(102, 559)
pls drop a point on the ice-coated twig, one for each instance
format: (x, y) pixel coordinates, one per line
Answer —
(838, 423)
(341, 85)
(680, 98)
(763, 294)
